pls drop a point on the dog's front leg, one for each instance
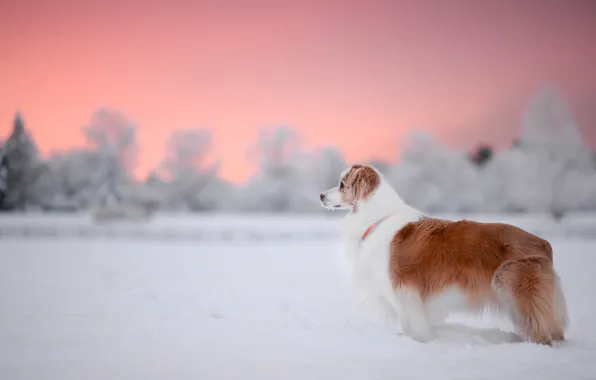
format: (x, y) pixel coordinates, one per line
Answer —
(408, 306)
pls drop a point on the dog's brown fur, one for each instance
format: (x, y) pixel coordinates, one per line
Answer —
(359, 183)
(493, 264)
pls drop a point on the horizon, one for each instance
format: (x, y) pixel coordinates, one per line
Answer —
(357, 78)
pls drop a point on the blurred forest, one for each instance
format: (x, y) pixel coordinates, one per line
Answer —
(548, 168)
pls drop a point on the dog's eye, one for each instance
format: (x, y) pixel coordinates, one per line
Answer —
(341, 185)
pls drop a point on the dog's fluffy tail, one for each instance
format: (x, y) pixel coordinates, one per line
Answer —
(530, 290)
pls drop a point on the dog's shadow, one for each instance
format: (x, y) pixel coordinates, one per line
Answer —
(458, 333)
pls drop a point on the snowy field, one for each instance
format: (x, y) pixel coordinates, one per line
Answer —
(137, 308)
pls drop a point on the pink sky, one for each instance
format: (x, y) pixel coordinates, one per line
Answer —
(357, 75)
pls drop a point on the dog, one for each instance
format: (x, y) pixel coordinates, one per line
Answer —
(421, 268)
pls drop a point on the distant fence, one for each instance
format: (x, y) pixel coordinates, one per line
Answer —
(243, 228)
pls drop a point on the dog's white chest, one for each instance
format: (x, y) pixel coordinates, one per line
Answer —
(369, 262)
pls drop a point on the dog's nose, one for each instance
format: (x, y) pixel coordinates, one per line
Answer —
(322, 196)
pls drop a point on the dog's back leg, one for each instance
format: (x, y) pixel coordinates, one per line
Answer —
(560, 305)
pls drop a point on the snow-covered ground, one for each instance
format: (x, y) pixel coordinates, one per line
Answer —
(79, 308)
(222, 226)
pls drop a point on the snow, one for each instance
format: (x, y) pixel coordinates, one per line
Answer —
(224, 226)
(75, 308)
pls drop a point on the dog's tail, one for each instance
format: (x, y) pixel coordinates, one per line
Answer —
(530, 290)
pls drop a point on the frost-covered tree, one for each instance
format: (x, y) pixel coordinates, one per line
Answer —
(328, 164)
(433, 178)
(548, 125)
(281, 182)
(551, 166)
(20, 168)
(71, 180)
(152, 193)
(190, 171)
(503, 182)
(113, 136)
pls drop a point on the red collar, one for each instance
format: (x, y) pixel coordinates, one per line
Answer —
(372, 227)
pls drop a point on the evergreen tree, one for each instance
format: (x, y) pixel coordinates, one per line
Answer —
(20, 168)
(3, 174)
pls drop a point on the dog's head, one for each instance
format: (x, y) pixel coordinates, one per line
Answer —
(355, 184)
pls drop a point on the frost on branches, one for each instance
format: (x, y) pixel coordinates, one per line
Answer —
(71, 180)
(434, 178)
(113, 138)
(281, 175)
(327, 165)
(550, 169)
(288, 177)
(190, 172)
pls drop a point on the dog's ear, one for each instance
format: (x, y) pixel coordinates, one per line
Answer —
(365, 181)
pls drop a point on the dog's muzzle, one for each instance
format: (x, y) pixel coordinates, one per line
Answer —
(324, 200)
(326, 203)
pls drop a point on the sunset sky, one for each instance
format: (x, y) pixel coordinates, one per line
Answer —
(356, 75)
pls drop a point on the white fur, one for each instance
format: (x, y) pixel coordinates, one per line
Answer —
(560, 302)
(369, 258)
(440, 305)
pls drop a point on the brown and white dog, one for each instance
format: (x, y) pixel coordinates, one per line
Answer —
(421, 268)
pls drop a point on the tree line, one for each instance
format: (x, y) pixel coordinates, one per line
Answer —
(548, 168)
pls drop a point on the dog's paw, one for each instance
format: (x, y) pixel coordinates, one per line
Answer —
(422, 334)
(422, 338)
